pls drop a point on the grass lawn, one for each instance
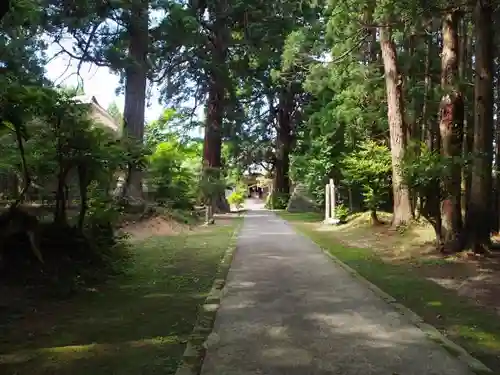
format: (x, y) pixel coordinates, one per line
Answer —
(137, 323)
(474, 328)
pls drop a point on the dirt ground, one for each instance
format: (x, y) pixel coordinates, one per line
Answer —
(477, 278)
(164, 226)
(154, 226)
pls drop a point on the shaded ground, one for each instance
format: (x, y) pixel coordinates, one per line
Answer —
(458, 295)
(135, 324)
(20, 295)
(474, 277)
(290, 310)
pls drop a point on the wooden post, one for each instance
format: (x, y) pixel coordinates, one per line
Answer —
(327, 202)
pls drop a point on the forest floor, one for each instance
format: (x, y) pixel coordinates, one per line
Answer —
(137, 322)
(457, 294)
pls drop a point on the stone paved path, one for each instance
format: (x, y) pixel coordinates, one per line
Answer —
(290, 310)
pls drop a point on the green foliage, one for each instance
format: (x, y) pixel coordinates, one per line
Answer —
(341, 212)
(62, 139)
(422, 168)
(102, 212)
(313, 161)
(103, 215)
(161, 130)
(211, 184)
(277, 200)
(70, 162)
(237, 198)
(171, 176)
(369, 166)
(115, 112)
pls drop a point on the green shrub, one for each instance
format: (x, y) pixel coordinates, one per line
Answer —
(277, 200)
(341, 212)
(173, 182)
(370, 166)
(236, 199)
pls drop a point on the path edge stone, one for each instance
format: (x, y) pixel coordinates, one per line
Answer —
(430, 331)
(192, 359)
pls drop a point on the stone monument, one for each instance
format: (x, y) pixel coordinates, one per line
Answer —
(330, 204)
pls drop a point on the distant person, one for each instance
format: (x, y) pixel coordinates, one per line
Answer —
(259, 191)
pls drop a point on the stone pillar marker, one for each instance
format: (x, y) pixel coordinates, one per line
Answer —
(332, 198)
(330, 204)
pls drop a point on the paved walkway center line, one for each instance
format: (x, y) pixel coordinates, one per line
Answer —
(290, 310)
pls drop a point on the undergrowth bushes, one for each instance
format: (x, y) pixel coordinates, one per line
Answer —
(277, 200)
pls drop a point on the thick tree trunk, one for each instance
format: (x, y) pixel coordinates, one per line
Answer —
(451, 118)
(412, 126)
(412, 129)
(496, 218)
(430, 135)
(283, 144)
(395, 109)
(462, 72)
(479, 215)
(135, 91)
(427, 131)
(469, 116)
(212, 144)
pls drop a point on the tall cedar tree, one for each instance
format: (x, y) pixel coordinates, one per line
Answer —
(479, 221)
(135, 88)
(451, 118)
(395, 109)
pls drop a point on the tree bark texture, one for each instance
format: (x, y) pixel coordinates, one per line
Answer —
(465, 72)
(135, 88)
(496, 218)
(283, 143)
(212, 143)
(430, 198)
(480, 213)
(402, 207)
(451, 122)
